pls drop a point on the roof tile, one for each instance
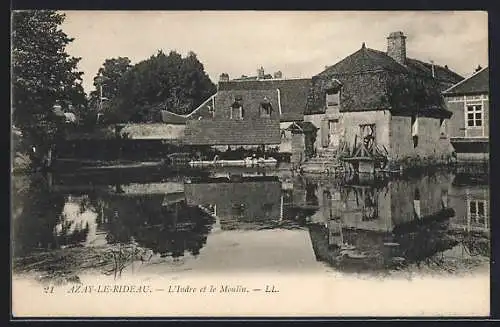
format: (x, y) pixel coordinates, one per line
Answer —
(232, 132)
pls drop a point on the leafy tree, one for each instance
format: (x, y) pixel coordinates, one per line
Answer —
(108, 76)
(43, 74)
(161, 82)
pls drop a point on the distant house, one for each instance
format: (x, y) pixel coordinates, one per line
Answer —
(469, 126)
(249, 111)
(385, 100)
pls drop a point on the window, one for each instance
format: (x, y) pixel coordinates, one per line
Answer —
(238, 209)
(265, 108)
(414, 130)
(474, 115)
(333, 100)
(416, 204)
(237, 109)
(477, 210)
(311, 197)
(333, 88)
(444, 198)
(442, 127)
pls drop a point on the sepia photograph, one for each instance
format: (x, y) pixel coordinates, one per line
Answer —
(249, 164)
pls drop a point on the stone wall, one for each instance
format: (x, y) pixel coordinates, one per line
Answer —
(154, 131)
(381, 119)
(432, 147)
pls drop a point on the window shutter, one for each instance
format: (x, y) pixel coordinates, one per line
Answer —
(324, 133)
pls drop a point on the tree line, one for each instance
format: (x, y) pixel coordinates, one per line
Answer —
(44, 75)
(137, 93)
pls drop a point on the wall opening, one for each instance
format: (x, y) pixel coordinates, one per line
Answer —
(414, 130)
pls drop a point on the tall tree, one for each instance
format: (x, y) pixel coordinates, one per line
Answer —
(161, 82)
(43, 74)
(108, 78)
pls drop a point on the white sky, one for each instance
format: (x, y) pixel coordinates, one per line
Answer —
(299, 43)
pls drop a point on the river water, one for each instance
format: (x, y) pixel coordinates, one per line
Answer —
(65, 225)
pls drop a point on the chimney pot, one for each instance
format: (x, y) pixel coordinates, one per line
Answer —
(396, 47)
(260, 73)
(224, 77)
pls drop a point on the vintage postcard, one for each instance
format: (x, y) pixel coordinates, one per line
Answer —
(250, 163)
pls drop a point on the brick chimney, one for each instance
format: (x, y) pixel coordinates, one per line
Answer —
(396, 47)
(224, 77)
(260, 73)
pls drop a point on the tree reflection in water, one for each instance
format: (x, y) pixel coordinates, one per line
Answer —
(167, 230)
(101, 230)
(396, 225)
(33, 229)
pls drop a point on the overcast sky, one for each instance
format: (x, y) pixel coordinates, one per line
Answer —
(299, 43)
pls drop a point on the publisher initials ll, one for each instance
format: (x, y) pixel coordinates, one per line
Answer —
(271, 289)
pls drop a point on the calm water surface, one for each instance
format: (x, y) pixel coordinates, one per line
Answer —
(67, 224)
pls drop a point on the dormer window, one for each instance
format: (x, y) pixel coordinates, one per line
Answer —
(265, 108)
(332, 100)
(237, 108)
(333, 90)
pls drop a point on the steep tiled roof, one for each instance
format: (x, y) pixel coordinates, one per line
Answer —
(232, 132)
(477, 83)
(372, 80)
(362, 61)
(293, 93)
(443, 75)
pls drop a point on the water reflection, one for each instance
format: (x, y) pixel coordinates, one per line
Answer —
(397, 224)
(436, 220)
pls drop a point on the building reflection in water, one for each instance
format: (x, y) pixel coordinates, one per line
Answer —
(397, 223)
(352, 226)
(241, 202)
